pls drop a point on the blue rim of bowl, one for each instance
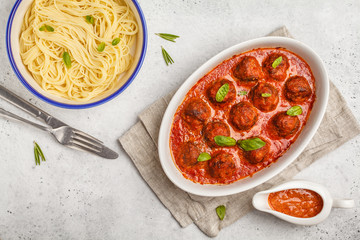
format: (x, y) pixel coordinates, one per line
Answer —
(71, 106)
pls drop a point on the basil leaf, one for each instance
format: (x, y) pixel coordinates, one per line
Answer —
(101, 47)
(67, 59)
(90, 19)
(221, 211)
(242, 93)
(49, 28)
(224, 141)
(203, 157)
(277, 62)
(294, 111)
(115, 41)
(42, 28)
(266, 94)
(251, 144)
(222, 92)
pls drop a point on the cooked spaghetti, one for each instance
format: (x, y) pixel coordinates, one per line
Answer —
(77, 49)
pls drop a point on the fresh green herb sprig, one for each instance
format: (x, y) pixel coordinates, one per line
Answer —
(39, 155)
(90, 19)
(266, 94)
(67, 60)
(167, 36)
(101, 47)
(251, 144)
(294, 111)
(222, 92)
(242, 93)
(115, 41)
(277, 62)
(204, 157)
(221, 211)
(166, 56)
(224, 141)
(47, 28)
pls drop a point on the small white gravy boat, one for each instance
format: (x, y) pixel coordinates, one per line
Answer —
(261, 203)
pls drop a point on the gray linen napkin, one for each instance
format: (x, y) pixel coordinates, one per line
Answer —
(140, 142)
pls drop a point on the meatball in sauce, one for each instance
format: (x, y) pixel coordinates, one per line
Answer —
(265, 97)
(258, 155)
(213, 129)
(222, 166)
(189, 153)
(283, 125)
(248, 71)
(297, 89)
(214, 88)
(243, 116)
(196, 112)
(274, 72)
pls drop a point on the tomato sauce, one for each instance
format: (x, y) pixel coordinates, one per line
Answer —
(301, 203)
(183, 131)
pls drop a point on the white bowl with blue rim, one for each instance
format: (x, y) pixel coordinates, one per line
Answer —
(13, 31)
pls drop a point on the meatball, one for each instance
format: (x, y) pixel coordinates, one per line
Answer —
(265, 103)
(243, 116)
(213, 89)
(284, 125)
(189, 153)
(196, 112)
(213, 129)
(297, 89)
(248, 70)
(258, 155)
(278, 73)
(222, 165)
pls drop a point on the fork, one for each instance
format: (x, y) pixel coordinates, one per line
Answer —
(63, 133)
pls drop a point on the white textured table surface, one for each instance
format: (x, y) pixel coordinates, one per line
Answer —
(74, 195)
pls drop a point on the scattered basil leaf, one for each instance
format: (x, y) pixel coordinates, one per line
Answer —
(294, 111)
(221, 211)
(266, 94)
(167, 36)
(90, 19)
(203, 157)
(67, 59)
(277, 62)
(224, 141)
(49, 28)
(242, 93)
(42, 28)
(222, 92)
(115, 41)
(101, 47)
(251, 144)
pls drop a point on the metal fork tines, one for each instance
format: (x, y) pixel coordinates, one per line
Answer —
(79, 140)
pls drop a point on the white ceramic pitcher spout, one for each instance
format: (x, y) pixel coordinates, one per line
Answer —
(261, 203)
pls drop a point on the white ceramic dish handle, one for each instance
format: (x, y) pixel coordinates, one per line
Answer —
(343, 203)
